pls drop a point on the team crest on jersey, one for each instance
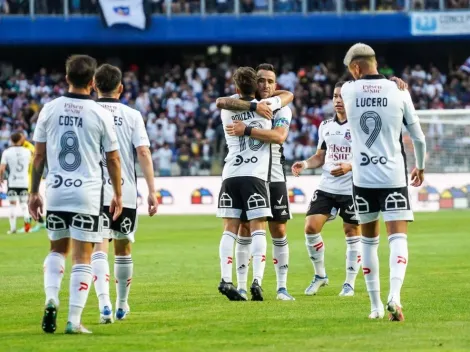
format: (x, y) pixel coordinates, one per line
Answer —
(201, 196)
(347, 135)
(164, 197)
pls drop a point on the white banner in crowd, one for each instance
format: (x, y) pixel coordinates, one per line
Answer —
(440, 23)
(198, 195)
(129, 12)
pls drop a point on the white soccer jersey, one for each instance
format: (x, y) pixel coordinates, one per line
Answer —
(282, 118)
(17, 160)
(131, 133)
(376, 111)
(247, 156)
(334, 138)
(75, 129)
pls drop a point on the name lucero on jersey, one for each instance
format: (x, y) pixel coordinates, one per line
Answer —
(243, 116)
(371, 102)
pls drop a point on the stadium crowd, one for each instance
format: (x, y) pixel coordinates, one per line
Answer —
(178, 105)
(227, 6)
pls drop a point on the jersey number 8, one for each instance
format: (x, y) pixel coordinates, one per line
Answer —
(69, 146)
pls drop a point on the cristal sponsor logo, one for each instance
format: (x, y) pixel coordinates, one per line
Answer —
(366, 160)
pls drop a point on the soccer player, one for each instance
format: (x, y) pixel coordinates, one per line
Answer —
(376, 111)
(279, 198)
(332, 196)
(133, 139)
(16, 159)
(41, 223)
(244, 186)
(69, 136)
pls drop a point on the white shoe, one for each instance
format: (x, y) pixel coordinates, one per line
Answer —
(377, 314)
(347, 291)
(283, 295)
(106, 316)
(11, 232)
(76, 329)
(315, 285)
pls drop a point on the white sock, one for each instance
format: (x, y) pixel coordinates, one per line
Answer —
(258, 251)
(12, 217)
(398, 262)
(227, 243)
(100, 268)
(54, 266)
(123, 270)
(281, 260)
(353, 259)
(242, 257)
(370, 268)
(316, 252)
(25, 210)
(80, 282)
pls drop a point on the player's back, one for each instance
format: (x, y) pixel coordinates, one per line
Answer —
(17, 160)
(75, 127)
(375, 110)
(131, 133)
(246, 156)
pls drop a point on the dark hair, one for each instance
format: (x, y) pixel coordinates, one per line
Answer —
(266, 67)
(16, 137)
(245, 80)
(339, 84)
(80, 70)
(108, 78)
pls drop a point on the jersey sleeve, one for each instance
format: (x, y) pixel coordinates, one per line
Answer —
(346, 89)
(409, 113)
(321, 141)
(108, 138)
(139, 135)
(40, 130)
(235, 96)
(29, 146)
(283, 118)
(4, 158)
(275, 103)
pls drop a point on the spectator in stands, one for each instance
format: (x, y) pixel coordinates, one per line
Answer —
(164, 157)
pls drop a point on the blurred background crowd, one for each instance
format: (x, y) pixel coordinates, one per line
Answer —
(227, 6)
(183, 122)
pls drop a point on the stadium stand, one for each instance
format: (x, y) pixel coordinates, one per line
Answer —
(178, 105)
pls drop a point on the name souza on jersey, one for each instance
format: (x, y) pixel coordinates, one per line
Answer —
(339, 152)
(243, 116)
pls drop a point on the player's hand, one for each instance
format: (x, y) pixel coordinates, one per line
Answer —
(297, 168)
(115, 207)
(402, 85)
(152, 203)
(236, 129)
(35, 205)
(342, 169)
(263, 109)
(417, 177)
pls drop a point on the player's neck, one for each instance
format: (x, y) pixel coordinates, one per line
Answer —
(247, 97)
(372, 71)
(108, 96)
(341, 117)
(82, 91)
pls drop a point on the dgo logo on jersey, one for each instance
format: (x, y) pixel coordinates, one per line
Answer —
(164, 197)
(296, 195)
(201, 196)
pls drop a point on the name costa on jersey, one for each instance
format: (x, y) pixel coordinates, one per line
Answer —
(376, 111)
(75, 129)
(131, 134)
(248, 156)
(335, 138)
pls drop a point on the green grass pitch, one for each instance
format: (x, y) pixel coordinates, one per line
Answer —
(176, 306)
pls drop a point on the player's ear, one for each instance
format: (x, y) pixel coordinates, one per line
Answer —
(94, 86)
(120, 89)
